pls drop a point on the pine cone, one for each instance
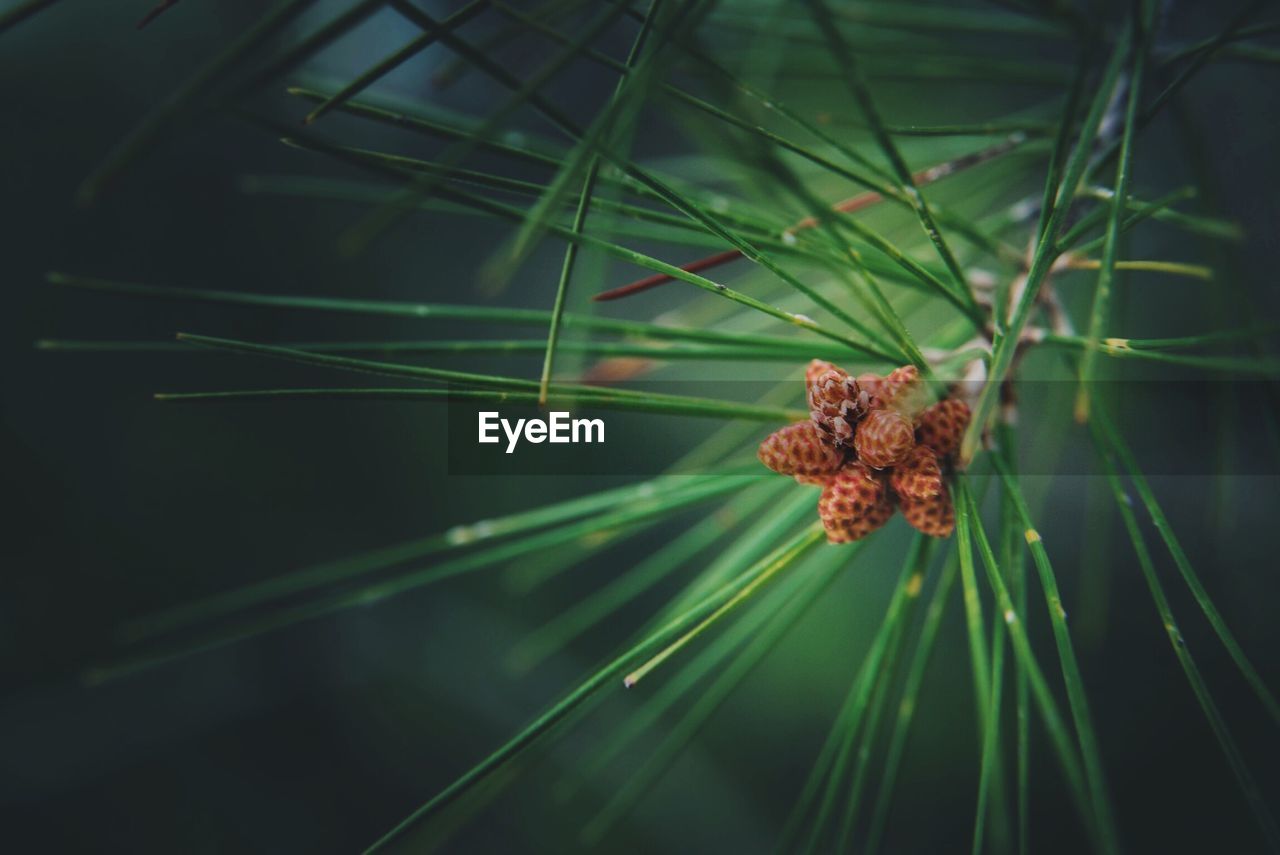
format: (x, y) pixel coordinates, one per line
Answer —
(918, 476)
(854, 503)
(835, 403)
(942, 426)
(798, 450)
(814, 480)
(884, 438)
(935, 517)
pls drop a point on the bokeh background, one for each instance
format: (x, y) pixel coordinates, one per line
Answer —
(320, 737)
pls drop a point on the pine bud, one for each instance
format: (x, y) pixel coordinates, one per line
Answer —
(835, 403)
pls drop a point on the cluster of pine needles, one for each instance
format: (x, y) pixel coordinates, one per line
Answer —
(775, 138)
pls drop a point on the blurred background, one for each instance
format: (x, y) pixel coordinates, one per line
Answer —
(320, 737)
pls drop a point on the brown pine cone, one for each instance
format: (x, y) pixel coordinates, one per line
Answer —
(942, 426)
(798, 450)
(918, 476)
(854, 503)
(884, 438)
(935, 517)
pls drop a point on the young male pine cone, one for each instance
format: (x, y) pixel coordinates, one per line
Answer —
(935, 517)
(872, 446)
(942, 426)
(799, 449)
(854, 503)
(918, 475)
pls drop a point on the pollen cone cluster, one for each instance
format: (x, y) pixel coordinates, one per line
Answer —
(872, 445)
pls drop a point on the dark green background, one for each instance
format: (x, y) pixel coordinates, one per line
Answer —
(321, 737)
